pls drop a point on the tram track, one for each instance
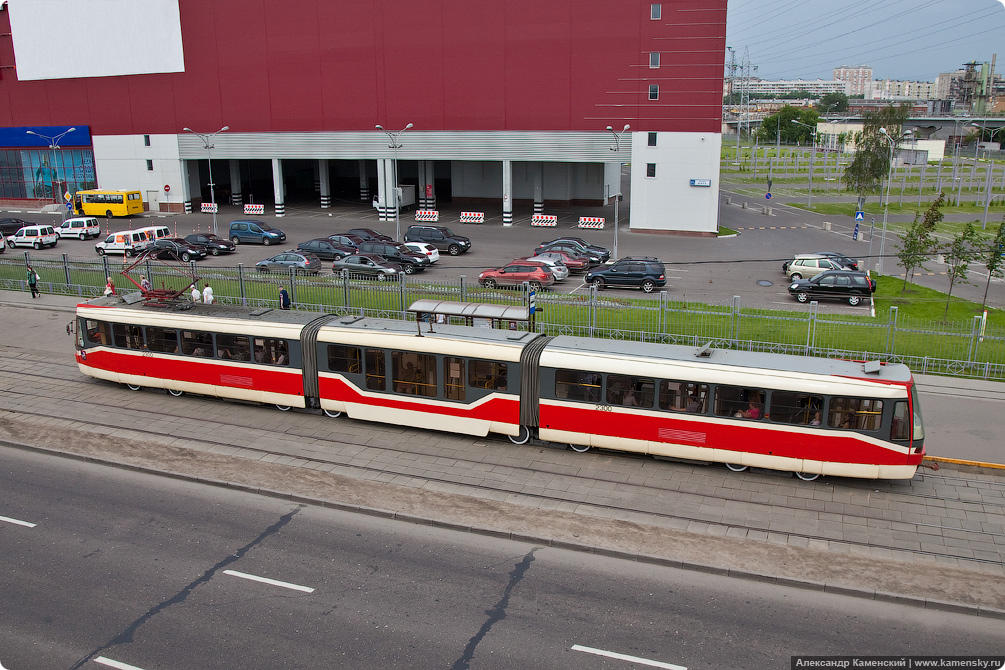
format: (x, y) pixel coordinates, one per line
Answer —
(26, 387)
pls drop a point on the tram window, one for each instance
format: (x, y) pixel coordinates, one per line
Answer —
(797, 408)
(680, 396)
(98, 332)
(375, 375)
(900, 427)
(270, 351)
(453, 378)
(344, 359)
(233, 347)
(164, 340)
(738, 401)
(577, 385)
(127, 336)
(196, 344)
(629, 391)
(855, 413)
(414, 373)
(487, 375)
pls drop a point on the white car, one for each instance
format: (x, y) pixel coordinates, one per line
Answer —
(37, 236)
(431, 252)
(558, 268)
(81, 227)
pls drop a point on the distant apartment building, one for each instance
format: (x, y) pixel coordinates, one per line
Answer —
(762, 88)
(892, 89)
(858, 78)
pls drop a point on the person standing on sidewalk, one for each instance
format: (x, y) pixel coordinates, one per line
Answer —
(284, 298)
(207, 294)
(33, 282)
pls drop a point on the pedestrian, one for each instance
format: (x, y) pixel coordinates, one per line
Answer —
(196, 295)
(145, 284)
(207, 294)
(284, 298)
(109, 287)
(33, 282)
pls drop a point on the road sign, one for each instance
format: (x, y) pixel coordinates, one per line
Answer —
(767, 196)
(854, 234)
(532, 303)
(860, 215)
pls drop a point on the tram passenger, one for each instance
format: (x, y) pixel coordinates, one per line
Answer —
(628, 400)
(753, 411)
(406, 383)
(816, 419)
(693, 404)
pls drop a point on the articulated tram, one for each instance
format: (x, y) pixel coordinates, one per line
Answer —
(806, 415)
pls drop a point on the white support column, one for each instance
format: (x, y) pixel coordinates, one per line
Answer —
(430, 184)
(194, 186)
(507, 179)
(384, 193)
(236, 198)
(538, 169)
(364, 182)
(278, 188)
(186, 187)
(324, 184)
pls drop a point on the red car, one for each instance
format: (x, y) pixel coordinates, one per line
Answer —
(576, 264)
(538, 275)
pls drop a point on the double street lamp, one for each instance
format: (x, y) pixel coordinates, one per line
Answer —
(53, 146)
(207, 142)
(813, 150)
(617, 196)
(395, 144)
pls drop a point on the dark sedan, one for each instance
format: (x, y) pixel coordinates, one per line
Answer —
(10, 225)
(327, 249)
(367, 265)
(370, 235)
(172, 248)
(214, 244)
(834, 284)
(601, 254)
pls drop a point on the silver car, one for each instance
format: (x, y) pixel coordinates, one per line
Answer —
(558, 268)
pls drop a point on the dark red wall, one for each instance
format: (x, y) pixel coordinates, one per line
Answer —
(332, 65)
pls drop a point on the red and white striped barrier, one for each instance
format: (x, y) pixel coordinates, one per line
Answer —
(427, 215)
(254, 209)
(591, 222)
(472, 217)
(210, 208)
(544, 220)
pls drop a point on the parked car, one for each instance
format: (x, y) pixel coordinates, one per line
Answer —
(557, 267)
(367, 265)
(80, 227)
(255, 232)
(171, 248)
(214, 244)
(591, 249)
(834, 284)
(431, 252)
(538, 275)
(326, 248)
(574, 248)
(644, 272)
(807, 265)
(410, 260)
(10, 225)
(3, 243)
(125, 242)
(37, 235)
(840, 258)
(370, 235)
(156, 232)
(347, 239)
(576, 264)
(440, 237)
(301, 262)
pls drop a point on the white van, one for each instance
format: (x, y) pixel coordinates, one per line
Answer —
(38, 236)
(154, 233)
(126, 242)
(80, 227)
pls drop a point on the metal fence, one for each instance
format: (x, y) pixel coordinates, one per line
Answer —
(965, 349)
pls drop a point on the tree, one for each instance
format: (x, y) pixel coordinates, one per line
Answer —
(833, 102)
(918, 242)
(992, 257)
(781, 122)
(961, 251)
(872, 150)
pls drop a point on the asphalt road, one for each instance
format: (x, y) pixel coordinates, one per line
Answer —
(156, 573)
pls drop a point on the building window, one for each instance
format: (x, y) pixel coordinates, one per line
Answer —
(655, 11)
(146, 140)
(654, 92)
(654, 59)
(650, 169)
(652, 139)
(150, 165)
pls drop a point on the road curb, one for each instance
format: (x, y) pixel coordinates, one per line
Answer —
(867, 594)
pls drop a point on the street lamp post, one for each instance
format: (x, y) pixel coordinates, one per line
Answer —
(886, 203)
(813, 150)
(207, 142)
(617, 196)
(53, 145)
(395, 144)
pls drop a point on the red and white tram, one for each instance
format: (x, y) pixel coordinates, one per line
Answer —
(806, 415)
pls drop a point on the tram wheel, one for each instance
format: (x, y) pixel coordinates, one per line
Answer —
(521, 437)
(580, 448)
(332, 413)
(736, 467)
(806, 476)
(175, 393)
(133, 387)
(283, 408)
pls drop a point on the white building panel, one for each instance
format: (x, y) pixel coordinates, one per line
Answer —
(120, 163)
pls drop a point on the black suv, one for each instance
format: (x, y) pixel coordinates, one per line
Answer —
(410, 260)
(440, 237)
(601, 254)
(327, 249)
(840, 284)
(643, 272)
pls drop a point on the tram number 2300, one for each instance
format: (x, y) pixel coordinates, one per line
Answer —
(604, 408)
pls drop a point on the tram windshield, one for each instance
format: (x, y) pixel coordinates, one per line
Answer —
(919, 429)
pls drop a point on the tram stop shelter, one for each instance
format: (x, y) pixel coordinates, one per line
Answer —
(473, 313)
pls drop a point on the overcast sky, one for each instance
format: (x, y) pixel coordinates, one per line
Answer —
(899, 39)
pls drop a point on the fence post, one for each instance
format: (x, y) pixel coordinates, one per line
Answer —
(661, 324)
(66, 270)
(891, 335)
(811, 328)
(734, 317)
(240, 280)
(975, 334)
(594, 292)
(346, 296)
(293, 285)
(104, 265)
(401, 295)
(150, 274)
(464, 288)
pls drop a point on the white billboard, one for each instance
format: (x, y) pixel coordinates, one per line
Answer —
(63, 39)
